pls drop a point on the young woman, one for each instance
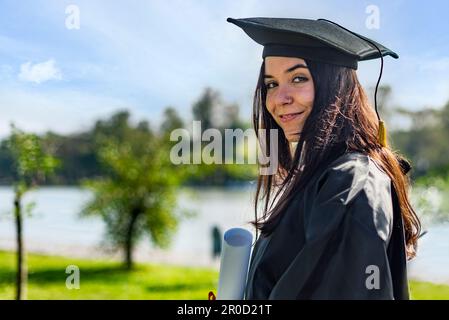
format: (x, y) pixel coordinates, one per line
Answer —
(336, 220)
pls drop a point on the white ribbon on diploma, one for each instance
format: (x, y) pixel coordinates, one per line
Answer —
(234, 263)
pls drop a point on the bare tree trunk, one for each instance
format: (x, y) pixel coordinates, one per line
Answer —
(21, 280)
(129, 245)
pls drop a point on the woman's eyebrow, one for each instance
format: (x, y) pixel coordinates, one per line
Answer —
(296, 66)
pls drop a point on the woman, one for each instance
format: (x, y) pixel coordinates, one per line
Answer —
(339, 224)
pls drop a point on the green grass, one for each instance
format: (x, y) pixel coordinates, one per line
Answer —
(108, 280)
(428, 291)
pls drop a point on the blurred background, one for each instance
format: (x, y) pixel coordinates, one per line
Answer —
(91, 207)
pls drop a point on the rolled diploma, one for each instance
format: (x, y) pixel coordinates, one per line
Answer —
(234, 264)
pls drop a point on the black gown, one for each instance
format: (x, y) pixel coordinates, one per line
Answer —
(341, 238)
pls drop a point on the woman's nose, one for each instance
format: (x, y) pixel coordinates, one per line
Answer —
(284, 96)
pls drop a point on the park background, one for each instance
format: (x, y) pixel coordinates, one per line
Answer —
(89, 93)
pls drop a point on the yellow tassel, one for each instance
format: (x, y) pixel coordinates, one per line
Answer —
(382, 134)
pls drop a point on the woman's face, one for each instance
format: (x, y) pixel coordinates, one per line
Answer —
(290, 93)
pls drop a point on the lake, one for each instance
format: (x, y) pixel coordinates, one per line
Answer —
(55, 227)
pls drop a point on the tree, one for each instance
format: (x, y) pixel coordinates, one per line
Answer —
(203, 109)
(31, 164)
(425, 143)
(384, 94)
(138, 194)
(214, 113)
(171, 121)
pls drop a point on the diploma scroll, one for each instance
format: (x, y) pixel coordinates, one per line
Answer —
(234, 263)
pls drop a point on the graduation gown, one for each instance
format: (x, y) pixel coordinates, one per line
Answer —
(341, 238)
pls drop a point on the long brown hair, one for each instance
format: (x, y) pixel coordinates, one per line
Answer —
(341, 120)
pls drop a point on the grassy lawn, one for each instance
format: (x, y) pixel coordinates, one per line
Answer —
(428, 291)
(107, 280)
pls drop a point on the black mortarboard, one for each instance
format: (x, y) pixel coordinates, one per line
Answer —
(319, 40)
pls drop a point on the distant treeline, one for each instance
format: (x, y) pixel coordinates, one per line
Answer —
(425, 144)
(78, 152)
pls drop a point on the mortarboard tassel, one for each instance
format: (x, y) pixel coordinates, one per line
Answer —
(382, 134)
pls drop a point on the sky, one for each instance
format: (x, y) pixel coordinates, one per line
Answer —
(60, 75)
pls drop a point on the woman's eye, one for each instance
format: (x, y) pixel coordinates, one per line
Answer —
(300, 79)
(297, 79)
(270, 85)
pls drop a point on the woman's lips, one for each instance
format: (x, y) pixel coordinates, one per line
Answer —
(289, 117)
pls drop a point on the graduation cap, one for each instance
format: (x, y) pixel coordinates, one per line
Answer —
(320, 40)
(317, 40)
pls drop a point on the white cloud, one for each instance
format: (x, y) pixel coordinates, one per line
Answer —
(39, 72)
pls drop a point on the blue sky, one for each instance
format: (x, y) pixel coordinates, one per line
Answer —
(147, 55)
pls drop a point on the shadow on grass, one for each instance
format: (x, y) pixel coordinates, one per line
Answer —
(180, 287)
(108, 274)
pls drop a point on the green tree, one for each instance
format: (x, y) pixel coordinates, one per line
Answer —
(171, 121)
(138, 194)
(31, 164)
(214, 113)
(204, 108)
(425, 143)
